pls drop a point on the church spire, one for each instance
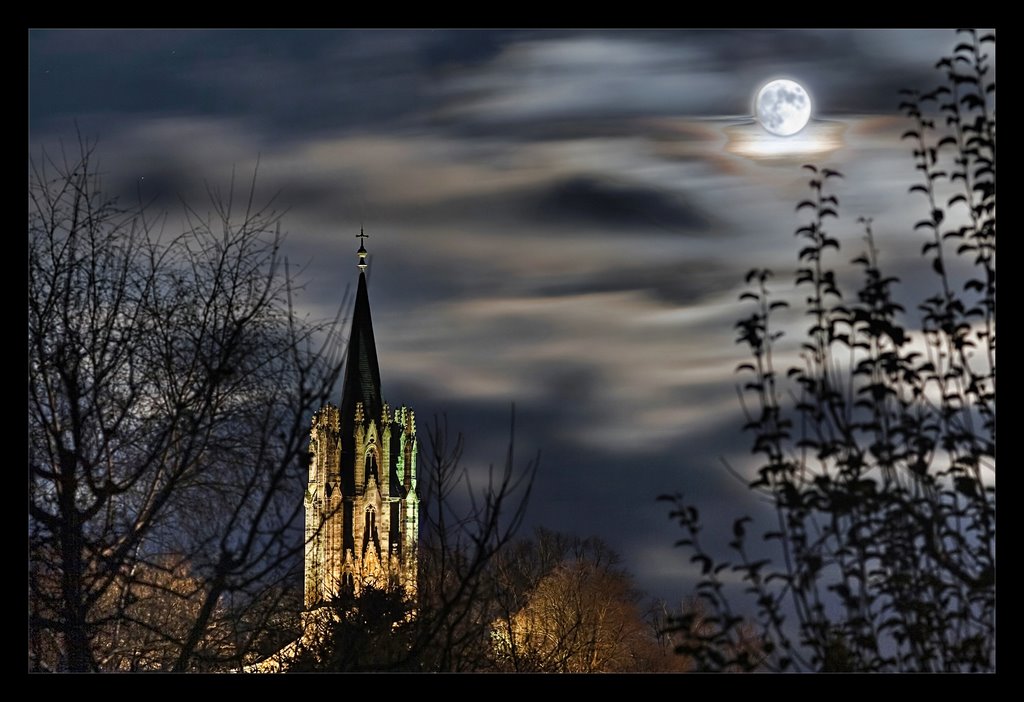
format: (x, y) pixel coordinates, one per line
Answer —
(362, 506)
(362, 374)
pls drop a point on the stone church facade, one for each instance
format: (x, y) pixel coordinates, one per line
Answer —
(362, 511)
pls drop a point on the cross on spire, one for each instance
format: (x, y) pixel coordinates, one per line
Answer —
(362, 249)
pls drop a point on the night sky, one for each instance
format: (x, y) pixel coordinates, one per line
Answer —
(562, 219)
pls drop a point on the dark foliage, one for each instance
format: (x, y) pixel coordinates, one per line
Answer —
(878, 448)
(371, 632)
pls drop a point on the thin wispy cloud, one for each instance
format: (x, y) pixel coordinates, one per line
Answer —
(555, 218)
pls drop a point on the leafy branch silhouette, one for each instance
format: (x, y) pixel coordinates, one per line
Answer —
(878, 449)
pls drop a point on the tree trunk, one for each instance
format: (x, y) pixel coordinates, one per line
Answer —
(75, 626)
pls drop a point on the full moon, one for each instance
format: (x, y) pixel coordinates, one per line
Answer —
(783, 107)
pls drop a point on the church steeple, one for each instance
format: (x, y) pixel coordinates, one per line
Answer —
(362, 509)
(362, 374)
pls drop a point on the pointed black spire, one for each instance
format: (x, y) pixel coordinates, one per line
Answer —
(362, 374)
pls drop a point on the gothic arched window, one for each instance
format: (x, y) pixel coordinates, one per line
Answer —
(370, 528)
(371, 466)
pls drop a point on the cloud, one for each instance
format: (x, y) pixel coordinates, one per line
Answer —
(588, 200)
(579, 356)
(556, 217)
(576, 205)
(549, 78)
(682, 282)
(291, 82)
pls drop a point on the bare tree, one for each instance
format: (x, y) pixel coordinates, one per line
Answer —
(170, 382)
(461, 541)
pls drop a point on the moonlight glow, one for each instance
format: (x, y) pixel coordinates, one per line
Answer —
(783, 107)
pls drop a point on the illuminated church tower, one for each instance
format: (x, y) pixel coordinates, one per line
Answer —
(362, 512)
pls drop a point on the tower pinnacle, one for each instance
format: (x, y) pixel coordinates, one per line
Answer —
(362, 249)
